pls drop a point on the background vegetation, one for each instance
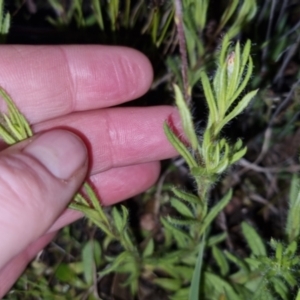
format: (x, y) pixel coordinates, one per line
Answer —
(199, 233)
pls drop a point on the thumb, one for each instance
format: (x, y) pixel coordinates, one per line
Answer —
(38, 177)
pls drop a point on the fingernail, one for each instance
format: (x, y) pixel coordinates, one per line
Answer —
(60, 151)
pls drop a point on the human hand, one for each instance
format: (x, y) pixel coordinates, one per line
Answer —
(72, 89)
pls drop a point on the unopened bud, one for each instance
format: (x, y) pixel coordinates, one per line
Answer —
(230, 63)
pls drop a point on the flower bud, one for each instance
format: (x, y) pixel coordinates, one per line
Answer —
(230, 63)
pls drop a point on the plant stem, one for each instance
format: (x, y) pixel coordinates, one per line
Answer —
(182, 50)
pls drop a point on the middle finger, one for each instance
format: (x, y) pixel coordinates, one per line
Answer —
(119, 137)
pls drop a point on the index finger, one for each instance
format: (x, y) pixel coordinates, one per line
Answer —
(49, 81)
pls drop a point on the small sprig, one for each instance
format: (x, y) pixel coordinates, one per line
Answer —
(212, 154)
(15, 127)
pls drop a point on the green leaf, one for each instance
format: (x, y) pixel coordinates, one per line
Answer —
(65, 274)
(92, 215)
(279, 252)
(298, 295)
(220, 260)
(293, 218)
(16, 127)
(238, 155)
(185, 273)
(210, 99)
(180, 236)
(166, 266)
(291, 249)
(238, 145)
(186, 196)
(245, 56)
(182, 222)
(253, 240)
(294, 189)
(197, 278)
(149, 249)
(173, 63)
(243, 103)
(220, 87)
(182, 294)
(215, 211)
(224, 49)
(123, 257)
(220, 287)
(165, 27)
(244, 81)
(6, 24)
(118, 220)
(221, 167)
(98, 13)
(6, 136)
(234, 76)
(179, 146)
(290, 278)
(168, 283)
(215, 239)
(237, 261)
(95, 201)
(227, 14)
(280, 288)
(91, 255)
(182, 208)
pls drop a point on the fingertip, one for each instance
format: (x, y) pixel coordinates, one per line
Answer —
(118, 184)
(112, 74)
(142, 71)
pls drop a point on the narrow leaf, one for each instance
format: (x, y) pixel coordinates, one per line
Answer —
(180, 236)
(89, 252)
(210, 99)
(197, 278)
(182, 222)
(253, 240)
(118, 220)
(280, 288)
(186, 118)
(148, 251)
(168, 283)
(237, 261)
(186, 196)
(215, 239)
(238, 155)
(182, 208)
(215, 211)
(230, 9)
(220, 260)
(220, 287)
(179, 146)
(293, 218)
(238, 109)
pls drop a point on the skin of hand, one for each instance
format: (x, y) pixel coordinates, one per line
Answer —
(67, 93)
